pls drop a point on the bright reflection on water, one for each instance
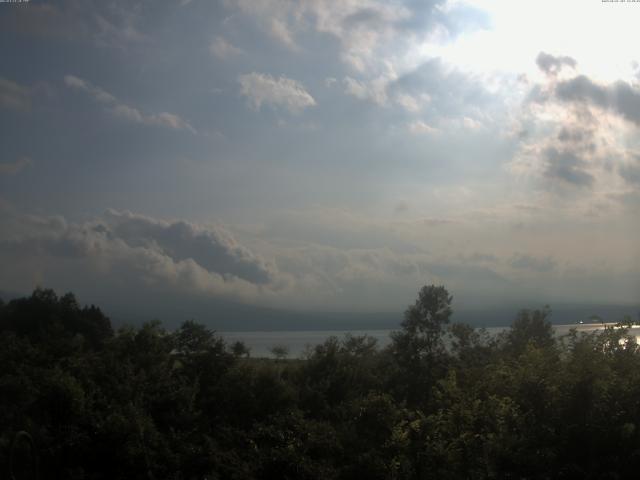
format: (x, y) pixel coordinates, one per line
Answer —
(297, 342)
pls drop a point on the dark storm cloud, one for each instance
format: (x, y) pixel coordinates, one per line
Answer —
(581, 88)
(552, 65)
(161, 247)
(567, 166)
(619, 97)
(211, 248)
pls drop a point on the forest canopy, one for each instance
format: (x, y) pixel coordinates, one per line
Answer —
(442, 401)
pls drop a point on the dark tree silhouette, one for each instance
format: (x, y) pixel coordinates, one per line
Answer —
(419, 348)
(441, 402)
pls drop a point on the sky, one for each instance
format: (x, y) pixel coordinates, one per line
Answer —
(321, 156)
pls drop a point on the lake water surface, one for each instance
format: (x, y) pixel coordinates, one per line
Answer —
(297, 342)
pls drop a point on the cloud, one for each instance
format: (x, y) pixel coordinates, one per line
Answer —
(619, 97)
(14, 96)
(374, 90)
(97, 93)
(222, 49)
(168, 120)
(552, 65)
(148, 255)
(577, 143)
(527, 262)
(211, 248)
(124, 111)
(479, 257)
(357, 89)
(448, 91)
(467, 277)
(401, 207)
(15, 167)
(140, 251)
(574, 135)
(411, 103)
(420, 128)
(113, 25)
(360, 27)
(116, 27)
(567, 156)
(567, 166)
(631, 172)
(280, 31)
(371, 34)
(339, 272)
(437, 221)
(263, 89)
(377, 41)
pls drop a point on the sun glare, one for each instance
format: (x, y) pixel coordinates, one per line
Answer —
(604, 50)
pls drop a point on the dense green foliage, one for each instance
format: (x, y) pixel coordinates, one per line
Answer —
(443, 401)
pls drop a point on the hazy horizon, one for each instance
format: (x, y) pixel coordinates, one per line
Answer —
(316, 156)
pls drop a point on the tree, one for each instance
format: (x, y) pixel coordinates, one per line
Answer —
(423, 324)
(196, 339)
(279, 351)
(530, 327)
(45, 317)
(419, 348)
(240, 349)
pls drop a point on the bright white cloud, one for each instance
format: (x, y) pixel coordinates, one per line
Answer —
(263, 89)
(420, 127)
(412, 104)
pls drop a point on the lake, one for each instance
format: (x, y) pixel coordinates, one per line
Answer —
(297, 342)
